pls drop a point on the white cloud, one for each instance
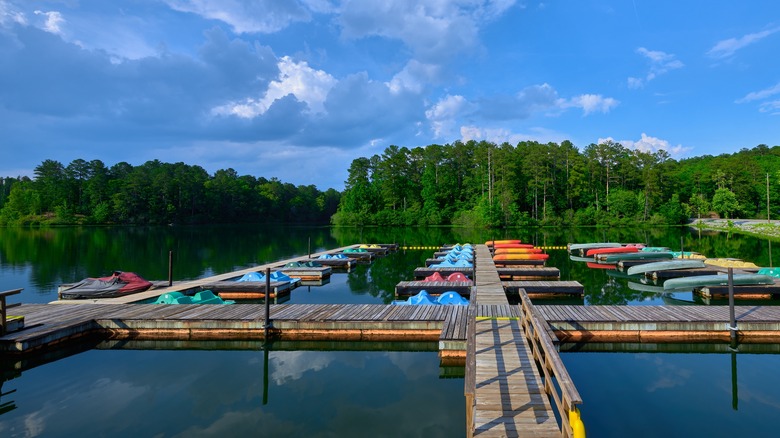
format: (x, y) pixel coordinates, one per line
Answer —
(413, 76)
(8, 15)
(298, 79)
(726, 48)
(769, 106)
(660, 63)
(650, 145)
(590, 103)
(435, 30)
(444, 114)
(760, 95)
(53, 20)
(248, 16)
(501, 135)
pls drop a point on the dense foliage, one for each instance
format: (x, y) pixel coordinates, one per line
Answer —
(484, 184)
(156, 193)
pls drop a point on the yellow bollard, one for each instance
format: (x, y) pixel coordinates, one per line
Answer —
(577, 426)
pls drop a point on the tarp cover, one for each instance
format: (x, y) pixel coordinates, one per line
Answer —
(118, 284)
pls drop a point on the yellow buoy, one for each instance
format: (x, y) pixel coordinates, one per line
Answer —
(577, 426)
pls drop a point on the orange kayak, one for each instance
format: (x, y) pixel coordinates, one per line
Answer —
(493, 242)
(521, 257)
(518, 251)
(512, 245)
(621, 250)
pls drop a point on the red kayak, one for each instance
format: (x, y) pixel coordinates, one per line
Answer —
(600, 266)
(518, 251)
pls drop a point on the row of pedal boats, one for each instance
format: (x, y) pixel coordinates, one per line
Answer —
(122, 283)
(455, 256)
(638, 260)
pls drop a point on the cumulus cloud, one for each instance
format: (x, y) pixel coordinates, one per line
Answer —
(445, 112)
(413, 77)
(295, 78)
(542, 99)
(53, 21)
(728, 47)
(434, 30)
(501, 135)
(590, 103)
(650, 145)
(247, 16)
(660, 63)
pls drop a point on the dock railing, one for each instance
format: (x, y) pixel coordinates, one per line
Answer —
(541, 337)
(4, 309)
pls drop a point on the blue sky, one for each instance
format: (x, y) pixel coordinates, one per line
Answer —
(297, 89)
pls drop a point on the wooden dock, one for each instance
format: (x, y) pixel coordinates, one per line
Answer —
(545, 289)
(528, 273)
(505, 395)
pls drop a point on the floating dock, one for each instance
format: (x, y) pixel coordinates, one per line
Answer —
(508, 386)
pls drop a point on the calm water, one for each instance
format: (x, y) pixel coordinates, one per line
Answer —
(158, 389)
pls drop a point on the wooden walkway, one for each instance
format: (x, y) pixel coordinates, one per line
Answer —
(505, 395)
(661, 323)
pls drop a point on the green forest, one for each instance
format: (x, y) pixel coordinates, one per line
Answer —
(88, 192)
(476, 184)
(488, 185)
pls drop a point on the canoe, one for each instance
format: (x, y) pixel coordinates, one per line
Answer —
(772, 272)
(520, 257)
(600, 266)
(496, 242)
(613, 250)
(655, 249)
(688, 255)
(731, 263)
(665, 266)
(614, 258)
(716, 280)
(518, 251)
(579, 246)
(512, 245)
(581, 259)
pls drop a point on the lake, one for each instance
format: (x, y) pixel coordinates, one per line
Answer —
(336, 389)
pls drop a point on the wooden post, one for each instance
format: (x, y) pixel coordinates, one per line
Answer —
(732, 318)
(267, 302)
(309, 247)
(170, 268)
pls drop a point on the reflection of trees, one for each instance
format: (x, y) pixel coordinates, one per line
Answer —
(379, 278)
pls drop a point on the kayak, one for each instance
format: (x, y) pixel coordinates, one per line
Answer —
(613, 250)
(518, 251)
(665, 266)
(614, 258)
(717, 280)
(499, 257)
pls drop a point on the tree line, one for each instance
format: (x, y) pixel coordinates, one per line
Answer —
(485, 184)
(89, 192)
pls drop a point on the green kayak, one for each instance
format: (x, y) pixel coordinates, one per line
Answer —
(717, 280)
(665, 266)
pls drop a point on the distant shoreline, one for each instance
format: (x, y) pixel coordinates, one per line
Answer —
(754, 227)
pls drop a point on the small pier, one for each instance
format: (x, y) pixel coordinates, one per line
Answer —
(505, 394)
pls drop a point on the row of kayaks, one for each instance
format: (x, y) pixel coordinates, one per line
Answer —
(606, 255)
